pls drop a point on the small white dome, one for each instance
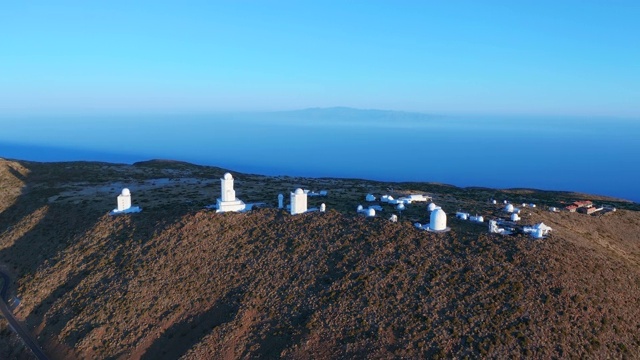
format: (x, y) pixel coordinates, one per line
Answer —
(400, 206)
(515, 217)
(431, 207)
(227, 176)
(438, 220)
(126, 192)
(370, 197)
(509, 208)
(359, 208)
(323, 207)
(299, 191)
(371, 212)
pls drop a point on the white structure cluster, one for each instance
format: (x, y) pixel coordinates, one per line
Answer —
(228, 201)
(124, 204)
(298, 202)
(494, 229)
(538, 231)
(319, 193)
(462, 215)
(369, 212)
(411, 198)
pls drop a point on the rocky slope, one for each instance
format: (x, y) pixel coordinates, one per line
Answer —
(180, 281)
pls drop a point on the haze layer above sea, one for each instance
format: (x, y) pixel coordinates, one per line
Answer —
(591, 155)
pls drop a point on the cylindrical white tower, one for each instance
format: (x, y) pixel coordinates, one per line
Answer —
(438, 220)
(124, 200)
(280, 201)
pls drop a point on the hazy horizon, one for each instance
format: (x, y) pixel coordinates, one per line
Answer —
(589, 155)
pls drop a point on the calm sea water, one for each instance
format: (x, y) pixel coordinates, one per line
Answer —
(599, 156)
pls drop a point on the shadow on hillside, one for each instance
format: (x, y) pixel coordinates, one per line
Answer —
(45, 239)
(181, 337)
(17, 174)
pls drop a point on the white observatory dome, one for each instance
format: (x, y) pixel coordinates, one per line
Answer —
(299, 191)
(370, 197)
(371, 212)
(509, 208)
(126, 192)
(438, 220)
(400, 206)
(227, 176)
(431, 207)
(359, 208)
(515, 217)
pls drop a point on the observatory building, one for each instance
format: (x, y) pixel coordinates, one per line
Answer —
(124, 200)
(228, 200)
(438, 221)
(538, 231)
(462, 215)
(124, 204)
(298, 202)
(370, 197)
(509, 208)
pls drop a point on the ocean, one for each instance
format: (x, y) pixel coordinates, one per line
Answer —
(598, 156)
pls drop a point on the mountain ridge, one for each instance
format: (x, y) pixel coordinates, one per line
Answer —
(178, 280)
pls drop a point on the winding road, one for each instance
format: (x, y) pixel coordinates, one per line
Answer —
(26, 337)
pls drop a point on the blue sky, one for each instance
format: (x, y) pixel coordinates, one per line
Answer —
(475, 57)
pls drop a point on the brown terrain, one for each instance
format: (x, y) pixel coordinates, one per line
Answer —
(177, 280)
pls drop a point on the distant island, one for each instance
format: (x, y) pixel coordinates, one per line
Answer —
(179, 279)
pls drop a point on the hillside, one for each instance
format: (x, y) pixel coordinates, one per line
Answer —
(177, 280)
